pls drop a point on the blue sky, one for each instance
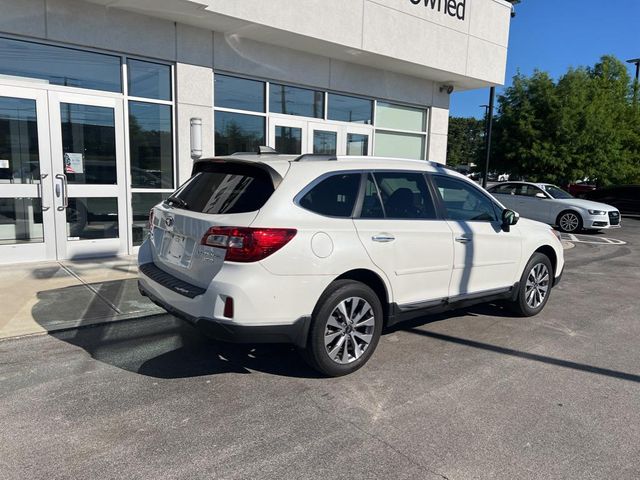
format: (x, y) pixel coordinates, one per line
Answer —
(553, 35)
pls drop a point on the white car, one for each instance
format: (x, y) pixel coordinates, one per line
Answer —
(550, 204)
(324, 252)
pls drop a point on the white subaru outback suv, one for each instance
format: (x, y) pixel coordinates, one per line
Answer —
(325, 252)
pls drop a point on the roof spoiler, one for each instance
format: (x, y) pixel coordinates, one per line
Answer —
(261, 150)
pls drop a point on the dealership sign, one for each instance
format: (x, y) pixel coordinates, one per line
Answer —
(453, 8)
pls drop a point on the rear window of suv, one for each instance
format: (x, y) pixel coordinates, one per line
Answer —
(224, 188)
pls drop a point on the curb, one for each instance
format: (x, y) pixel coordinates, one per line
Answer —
(95, 323)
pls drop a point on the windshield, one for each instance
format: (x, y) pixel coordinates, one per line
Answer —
(557, 192)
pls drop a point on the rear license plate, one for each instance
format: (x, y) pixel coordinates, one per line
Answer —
(175, 249)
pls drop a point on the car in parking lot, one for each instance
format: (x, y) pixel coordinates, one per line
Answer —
(625, 198)
(323, 252)
(550, 204)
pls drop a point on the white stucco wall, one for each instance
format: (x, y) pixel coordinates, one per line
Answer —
(387, 49)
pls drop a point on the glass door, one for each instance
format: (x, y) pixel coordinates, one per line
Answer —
(87, 149)
(288, 136)
(27, 231)
(323, 139)
(357, 140)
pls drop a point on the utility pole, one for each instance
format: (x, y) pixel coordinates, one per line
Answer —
(635, 61)
(492, 97)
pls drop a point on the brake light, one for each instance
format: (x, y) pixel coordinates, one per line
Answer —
(248, 244)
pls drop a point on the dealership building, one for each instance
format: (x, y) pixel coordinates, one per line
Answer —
(104, 104)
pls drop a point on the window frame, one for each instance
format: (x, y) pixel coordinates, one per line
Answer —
(442, 208)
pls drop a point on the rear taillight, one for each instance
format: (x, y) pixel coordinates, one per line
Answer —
(247, 244)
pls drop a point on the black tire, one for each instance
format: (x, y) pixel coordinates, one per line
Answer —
(521, 305)
(569, 221)
(327, 320)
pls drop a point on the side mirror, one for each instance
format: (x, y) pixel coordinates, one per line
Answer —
(541, 195)
(509, 218)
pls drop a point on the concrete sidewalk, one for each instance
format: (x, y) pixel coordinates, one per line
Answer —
(52, 296)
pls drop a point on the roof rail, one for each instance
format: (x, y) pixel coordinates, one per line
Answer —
(316, 157)
(261, 150)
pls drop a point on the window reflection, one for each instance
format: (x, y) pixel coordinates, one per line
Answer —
(88, 144)
(92, 218)
(238, 93)
(289, 140)
(19, 154)
(149, 80)
(295, 101)
(141, 204)
(21, 221)
(60, 65)
(350, 109)
(357, 144)
(324, 142)
(151, 144)
(236, 132)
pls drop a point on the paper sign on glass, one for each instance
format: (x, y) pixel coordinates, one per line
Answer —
(73, 163)
(4, 163)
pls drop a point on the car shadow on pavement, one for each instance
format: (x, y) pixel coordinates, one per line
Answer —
(165, 347)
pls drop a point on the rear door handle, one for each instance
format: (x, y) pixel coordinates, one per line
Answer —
(463, 239)
(383, 238)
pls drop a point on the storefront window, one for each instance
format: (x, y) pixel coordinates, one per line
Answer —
(60, 66)
(151, 144)
(400, 117)
(399, 145)
(295, 101)
(149, 80)
(239, 93)
(350, 109)
(236, 132)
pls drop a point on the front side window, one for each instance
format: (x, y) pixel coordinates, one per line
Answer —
(464, 202)
(405, 195)
(335, 196)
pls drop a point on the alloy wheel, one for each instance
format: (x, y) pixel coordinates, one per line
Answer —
(569, 222)
(537, 286)
(349, 330)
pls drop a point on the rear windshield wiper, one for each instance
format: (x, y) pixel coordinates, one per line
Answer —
(178, 201)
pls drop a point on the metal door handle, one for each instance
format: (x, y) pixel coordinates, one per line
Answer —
(40, 193)
(65, 195)
(383, 238)
(463, 239)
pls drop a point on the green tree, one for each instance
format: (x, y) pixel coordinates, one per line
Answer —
(585, 125)
(466, 141)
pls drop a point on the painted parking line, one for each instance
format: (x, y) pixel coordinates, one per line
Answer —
(570, 237)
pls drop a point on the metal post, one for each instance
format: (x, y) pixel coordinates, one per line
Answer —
(635, 61)
(492, 97)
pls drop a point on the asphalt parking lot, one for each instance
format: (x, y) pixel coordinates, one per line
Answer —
(471, 394)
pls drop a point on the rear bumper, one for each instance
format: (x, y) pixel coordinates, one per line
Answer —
(295, 333)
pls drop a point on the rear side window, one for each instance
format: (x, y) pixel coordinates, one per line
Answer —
(508, 189)
(405, 195)
(224, 189)
(335, 196)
